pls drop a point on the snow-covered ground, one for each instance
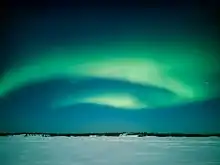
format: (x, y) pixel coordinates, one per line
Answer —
(17, 150)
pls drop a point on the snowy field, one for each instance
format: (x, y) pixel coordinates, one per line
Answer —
(36, 150)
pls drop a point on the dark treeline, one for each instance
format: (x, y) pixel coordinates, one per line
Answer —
(139, 134)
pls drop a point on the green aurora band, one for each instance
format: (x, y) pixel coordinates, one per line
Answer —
(185, 70)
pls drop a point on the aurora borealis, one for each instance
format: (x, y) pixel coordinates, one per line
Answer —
(111, 69)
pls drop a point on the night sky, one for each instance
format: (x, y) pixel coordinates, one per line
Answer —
(109, 69)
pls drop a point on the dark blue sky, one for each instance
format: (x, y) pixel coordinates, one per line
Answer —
(107, 69)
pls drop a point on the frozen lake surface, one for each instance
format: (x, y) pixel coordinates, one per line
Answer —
(36, 150)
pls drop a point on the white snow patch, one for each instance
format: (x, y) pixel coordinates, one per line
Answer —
(19, 150)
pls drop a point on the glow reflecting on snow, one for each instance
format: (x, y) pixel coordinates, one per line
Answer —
(129, 150)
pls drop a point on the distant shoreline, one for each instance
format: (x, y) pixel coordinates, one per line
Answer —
(117, 134)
